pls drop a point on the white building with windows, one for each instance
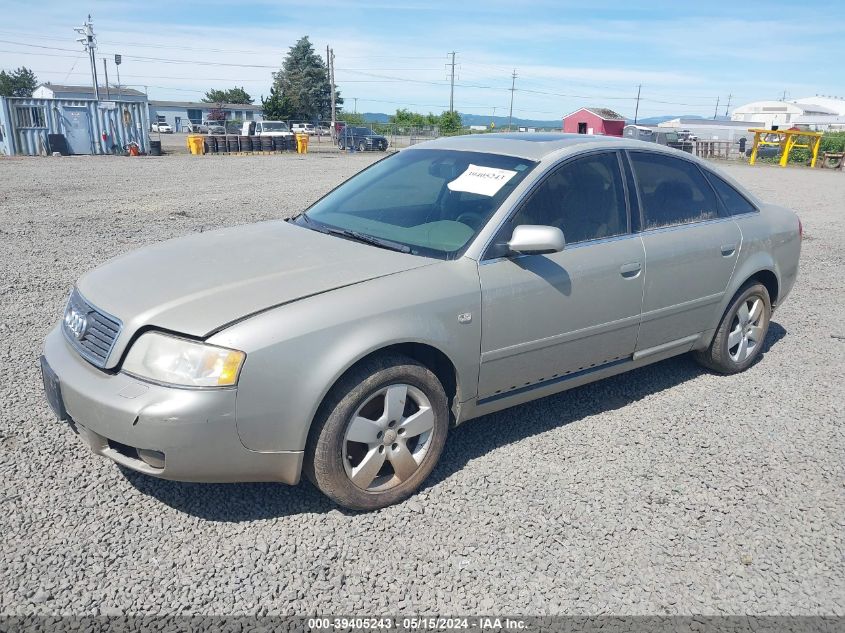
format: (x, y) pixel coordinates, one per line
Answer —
(181, 114)
(712, 129)
(814, 113)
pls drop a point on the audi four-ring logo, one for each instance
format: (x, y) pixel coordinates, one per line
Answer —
(76, 322)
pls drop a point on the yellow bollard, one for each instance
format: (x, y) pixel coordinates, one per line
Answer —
(301, 143)
(196, 144)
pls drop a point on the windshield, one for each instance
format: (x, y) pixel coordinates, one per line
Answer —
(432, 201)
(274, 126)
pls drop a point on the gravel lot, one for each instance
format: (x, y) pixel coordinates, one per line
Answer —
(665, 490)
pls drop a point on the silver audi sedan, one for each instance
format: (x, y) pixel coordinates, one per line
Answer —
(447, 281)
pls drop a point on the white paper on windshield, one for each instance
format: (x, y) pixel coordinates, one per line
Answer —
(485, 181)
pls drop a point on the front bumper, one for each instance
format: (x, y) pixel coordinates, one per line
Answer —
(180, 434)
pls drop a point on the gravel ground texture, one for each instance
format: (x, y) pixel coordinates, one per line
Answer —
(668, 490)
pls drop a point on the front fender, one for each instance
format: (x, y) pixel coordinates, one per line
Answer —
(296, 352)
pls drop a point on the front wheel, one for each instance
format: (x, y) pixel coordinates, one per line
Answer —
(362, 146)
(739, 339)
(379, 434)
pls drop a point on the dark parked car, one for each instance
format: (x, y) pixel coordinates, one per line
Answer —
(361, 138)
(764, 151)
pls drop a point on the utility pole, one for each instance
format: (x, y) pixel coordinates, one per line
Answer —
(117, 60)
(330, 63)
(452, 84)
(513, 89)
(106, 75)
(356, 104)
(716, 113)
(90, 44)
(637, 108)
(728, 106)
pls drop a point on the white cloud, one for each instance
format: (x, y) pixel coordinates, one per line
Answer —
(685, 63)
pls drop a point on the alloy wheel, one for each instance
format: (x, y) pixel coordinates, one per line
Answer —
(388, 437)
(747, 330)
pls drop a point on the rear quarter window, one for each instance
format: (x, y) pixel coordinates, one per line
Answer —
(735, 203)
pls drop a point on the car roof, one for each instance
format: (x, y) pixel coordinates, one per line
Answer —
(537, 146)
(530, 145)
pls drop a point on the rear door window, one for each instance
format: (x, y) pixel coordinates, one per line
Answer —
(673, 191)
(735, 203)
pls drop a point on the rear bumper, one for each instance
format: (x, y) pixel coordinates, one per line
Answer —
(179, 434)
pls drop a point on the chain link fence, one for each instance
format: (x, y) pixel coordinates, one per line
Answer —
(244, 136)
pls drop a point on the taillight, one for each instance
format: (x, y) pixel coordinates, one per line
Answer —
(800, 230)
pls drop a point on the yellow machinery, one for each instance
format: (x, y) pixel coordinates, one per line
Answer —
(786, 140)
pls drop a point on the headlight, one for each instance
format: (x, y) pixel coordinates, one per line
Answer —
(178, 361)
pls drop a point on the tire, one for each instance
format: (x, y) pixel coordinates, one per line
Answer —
(383, 147)
(341, 145)
(357, 408)
(726, 354)
(362, 146)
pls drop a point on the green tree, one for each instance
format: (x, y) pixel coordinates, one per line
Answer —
(17, 83)
(232, 95)
(405, 117)
(450, 123)
(303, 80)
(276, 107)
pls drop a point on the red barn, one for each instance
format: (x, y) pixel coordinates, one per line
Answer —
(594, 121)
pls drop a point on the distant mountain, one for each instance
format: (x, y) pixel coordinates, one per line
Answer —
(376, 117)
(502, 121)
(478, 119)
(555, 124)
(655, 120)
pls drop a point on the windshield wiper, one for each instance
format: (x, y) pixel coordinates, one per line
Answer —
(369, 239)
(299, 215)
(354, 235)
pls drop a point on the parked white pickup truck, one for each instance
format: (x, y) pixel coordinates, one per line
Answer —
(266, 128)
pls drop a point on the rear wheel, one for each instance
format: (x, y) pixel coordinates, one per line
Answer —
(739, 339)
(379, 434)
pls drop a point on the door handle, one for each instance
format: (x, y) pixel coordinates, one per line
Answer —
(630, 270)
(728, 249)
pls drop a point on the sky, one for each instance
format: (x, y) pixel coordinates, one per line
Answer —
(392, 54)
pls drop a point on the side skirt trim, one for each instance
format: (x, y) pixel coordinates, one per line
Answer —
(687, 340)
(553, 381)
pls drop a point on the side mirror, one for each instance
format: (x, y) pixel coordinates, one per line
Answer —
(531, 239)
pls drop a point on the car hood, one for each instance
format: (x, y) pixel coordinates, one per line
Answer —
(200, 283)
